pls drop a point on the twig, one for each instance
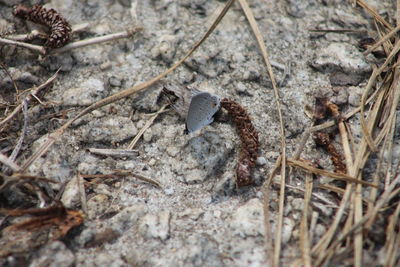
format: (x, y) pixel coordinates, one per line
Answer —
(97, 40)
(375, 14)
(304, 238)
(333, 175)
(138, 176)
(10, 163)
(9, 75)
(260, 41)
(382, 40)
(29, 98)
(20, 141)
(82, 192)
(113, 152)
(37, 48)
(146, 126)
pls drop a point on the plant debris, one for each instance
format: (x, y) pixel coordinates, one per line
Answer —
(249, 138)
(60, 30)
(50, 223)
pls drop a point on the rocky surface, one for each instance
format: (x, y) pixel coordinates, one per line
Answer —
(198, 217)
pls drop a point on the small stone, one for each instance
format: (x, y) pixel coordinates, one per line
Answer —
(248, 220)
(192, 213)
(106, 65)
(105, 236)
(287, 228)
(127, 217)
(155, 225)
(354, 96)
(319, 230)
(202, 250)
(89, 92)
(261, 161)
(97, 205)
(169, 191)
(345, 79)
(166, 48)
(172, 151)
(340, 57)
(152, 162)
(298, 204)
(110, 129)
(70, 196)
(114, 81)
(54, 254)
(341, 98)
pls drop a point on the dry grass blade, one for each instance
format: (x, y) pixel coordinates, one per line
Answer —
(10, 163)
(97, 40)
(269, 252)
(37, 48)
(29, 98)
(304, 238)
(393, 239)
(382, 40)
(113, 152)
(125, 93)
(20, 141)
(333, 175)
(367, 134)
(373, 13)
(138, 176)
(82, 193)
(260, 41)
(9, 75)
(146, 126)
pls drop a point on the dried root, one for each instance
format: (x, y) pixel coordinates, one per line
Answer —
(249, 139)
(60, 29)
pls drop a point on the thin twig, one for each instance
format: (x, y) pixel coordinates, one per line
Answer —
(260, 41)
(97, 40)
(304, 238)
(29, 98)
(37, 48)
(10, 163)
(146, 126)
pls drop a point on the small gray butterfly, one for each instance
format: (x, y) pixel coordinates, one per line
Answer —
(202, 108)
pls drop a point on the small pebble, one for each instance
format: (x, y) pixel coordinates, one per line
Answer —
(261, 161)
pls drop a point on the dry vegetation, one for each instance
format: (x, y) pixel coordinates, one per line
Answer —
(369, 204)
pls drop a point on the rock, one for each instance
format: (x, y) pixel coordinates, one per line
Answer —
(202, 250)
(105, 236)
(203, 156)
(115, 81)
(261, 161)
(127, 218)
(97, 205)
(89, 92)
(345, 79)
(297, 204)
(166, 48)
(354, 96)
(192, 213)
(70, 196)
(155, 225)
(298, 8)
(110, 129)
(340, 57)
(287, 228)
(248, 220)
(54, 254)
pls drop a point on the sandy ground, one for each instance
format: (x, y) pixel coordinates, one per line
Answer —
(197, 217)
